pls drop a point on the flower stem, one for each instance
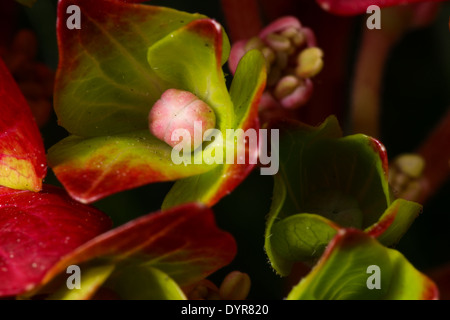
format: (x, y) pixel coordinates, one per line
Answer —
(436, 153)
(375, 48)
(365, 104)
(367, 82)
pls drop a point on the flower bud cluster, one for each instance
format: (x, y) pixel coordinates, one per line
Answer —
(292, 59)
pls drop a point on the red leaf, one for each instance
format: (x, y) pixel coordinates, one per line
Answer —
(183, 242)
(36, 230)
(353, 7)
(22, 154)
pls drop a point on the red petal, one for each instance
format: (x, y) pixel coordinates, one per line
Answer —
(36, 230)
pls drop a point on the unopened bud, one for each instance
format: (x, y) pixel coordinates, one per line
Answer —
(296, 36)
(278, 42)
(404, 175)
(286, 86)
(269, 55)
(254, 43)
(178, 111)
(411, 164)
(310, 62)
(298, 39)
(235, 286)
(290, 32)
(299, 97)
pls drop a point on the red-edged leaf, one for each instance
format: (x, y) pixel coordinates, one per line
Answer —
(395, 221)
(36, 230)
(104, 85)
(233, 175)
(344, 273)
(246, 90)
(22, 154)
(353, 7)
(111, 72)
(91, 169)
(314, 161)
(184, 242)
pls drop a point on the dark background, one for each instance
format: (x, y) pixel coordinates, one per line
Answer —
(415, 97)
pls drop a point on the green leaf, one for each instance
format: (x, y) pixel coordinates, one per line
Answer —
(110, 74)
(292, 149)
(395, 221)
(111, 164)
(144, 283)
(104, 84)
(342, 180)
(246, 89)
(91, 278)
(297, 236)
(284, 201)
(280, 264)
(104, 91)
(198, 69)
(346, 272)
(132, 282)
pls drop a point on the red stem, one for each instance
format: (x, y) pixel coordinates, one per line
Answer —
(436, 152)
(365, 105)
(374, 51)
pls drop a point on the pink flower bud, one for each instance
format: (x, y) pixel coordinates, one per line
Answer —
(177, 111)
(280, 24)
(291, 54)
